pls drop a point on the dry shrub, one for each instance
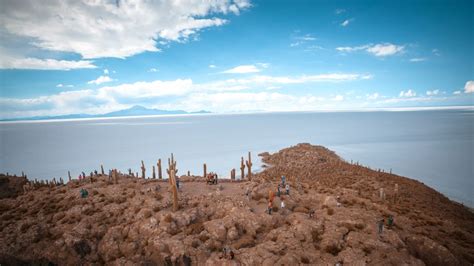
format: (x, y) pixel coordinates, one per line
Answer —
(258, 196)
(304, 260)
(367, 250)
(330, 211)
(168, 218)
(158, 196)
(146, 213)
(246, 241)
(194, 228)
(333, 249)
(156, 208)
(203, 238)
(301, 209)
(275, 209)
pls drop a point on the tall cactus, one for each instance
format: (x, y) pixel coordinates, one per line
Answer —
(173, 189)
(232, 174)
(171, 165)
(143, 170)
(249, 167)
(102, 169)
(160, 175)
(154, 173)
(242, 168)
(205, 170)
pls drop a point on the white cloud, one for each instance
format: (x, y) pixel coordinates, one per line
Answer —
(469, 87)
(417, 59)
(338, 98)
(339, 11)
(243, 69)
(408, 93)
(178, 93)
(102, 28)
(106, 71)
(100, 80)
(7, 62)
(373, 96)
(60, 85)
(457, 92)
(435, 52)
(346, 22)
(379, 50)
(153, 70)
(432, 92)
(212, 66)
(385, 49)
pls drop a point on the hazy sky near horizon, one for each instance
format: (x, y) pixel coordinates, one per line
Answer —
(65, 57)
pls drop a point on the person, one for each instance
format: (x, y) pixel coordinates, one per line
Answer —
(311, 213)
(278, 191)
(380, 225)
(283, 179)
(282, 204)
(177, 183)
(270, 207)
(224, 252)
(390, 221)
(231, 254)
(287, 189)
(84, 193)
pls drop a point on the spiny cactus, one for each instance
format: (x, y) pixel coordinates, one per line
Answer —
(242, 168)
(160, 175)
(153, 173)
(102, 169)
(249, 167)
(205, 170)
(143, 170)
(173, 189)
(232, 174)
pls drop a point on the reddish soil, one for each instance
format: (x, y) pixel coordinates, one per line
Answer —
(132, 222)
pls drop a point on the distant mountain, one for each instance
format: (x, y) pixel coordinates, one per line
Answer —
(136, 110)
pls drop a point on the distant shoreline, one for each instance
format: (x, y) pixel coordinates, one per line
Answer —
(394, 109)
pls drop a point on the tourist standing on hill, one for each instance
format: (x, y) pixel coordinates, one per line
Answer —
(380, 225)
(278, 191)
(287, 189)
(270, 207)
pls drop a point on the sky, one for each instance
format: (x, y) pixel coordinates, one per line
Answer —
(225, 56)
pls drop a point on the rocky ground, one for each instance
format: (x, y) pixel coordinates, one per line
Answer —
(132, 222)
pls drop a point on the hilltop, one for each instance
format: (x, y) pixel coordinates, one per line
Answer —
(130, 221)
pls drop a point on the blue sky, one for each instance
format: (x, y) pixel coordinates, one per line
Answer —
(233, 56)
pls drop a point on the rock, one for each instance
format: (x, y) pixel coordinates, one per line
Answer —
(330, 201)
(216, 229)
(232, 233)
(429, 251)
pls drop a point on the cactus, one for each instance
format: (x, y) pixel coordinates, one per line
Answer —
(102, 169)
(249, 167)
(160, 175)
(69, 175)
(153, 173)
(205, 170)
(232, 174)
(143, 170)
(189, 173)
(242, 168)
(115, 176)
(174, 189)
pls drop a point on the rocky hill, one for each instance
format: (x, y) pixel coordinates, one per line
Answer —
(130, 221)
